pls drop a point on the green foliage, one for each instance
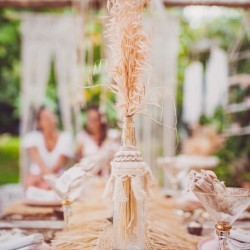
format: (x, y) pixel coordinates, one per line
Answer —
(9, 160)
(217, 121)
(234, 160)
(9, 73)
(222, 31)
(235, 154)
(99, 94)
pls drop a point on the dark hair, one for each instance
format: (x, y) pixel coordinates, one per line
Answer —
(93, 107)
(104, 125)
(38, 116)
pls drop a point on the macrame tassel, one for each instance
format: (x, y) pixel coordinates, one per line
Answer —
(137, 186)
(148, 181)
(119, 192)
(109, 188)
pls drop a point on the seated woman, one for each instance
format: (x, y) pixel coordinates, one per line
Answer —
(48, 148)
(97, 142)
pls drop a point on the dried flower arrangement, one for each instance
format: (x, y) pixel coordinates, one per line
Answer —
(129, 45)
(130, 176)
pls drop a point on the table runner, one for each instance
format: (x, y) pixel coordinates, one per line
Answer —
(20, 207)
(90, 229)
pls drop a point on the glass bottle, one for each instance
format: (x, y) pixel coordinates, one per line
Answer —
(128, 217)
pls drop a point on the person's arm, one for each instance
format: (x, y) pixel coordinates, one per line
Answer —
(59, 164)
(36, 158)
(79, 152)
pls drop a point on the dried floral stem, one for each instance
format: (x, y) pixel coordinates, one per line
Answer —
(128, 211)
(128, 132)
(129, 46)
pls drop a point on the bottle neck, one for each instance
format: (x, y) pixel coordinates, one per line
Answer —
(128, 132)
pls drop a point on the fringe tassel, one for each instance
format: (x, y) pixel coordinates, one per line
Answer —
(137, 187)
(141, 186)
(109, 188)
(149, 179)
(119, 192)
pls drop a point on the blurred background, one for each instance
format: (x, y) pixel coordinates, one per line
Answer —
(50, 50)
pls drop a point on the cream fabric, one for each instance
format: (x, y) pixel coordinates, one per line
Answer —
(15, 242)
(164, 33)
(40, 46)
(216, 80)
(64, 146)
(192, 93)
(47, 38)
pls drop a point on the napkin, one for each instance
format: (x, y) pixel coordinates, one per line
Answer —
(70, 183)
(89, 163)
(36, 247)
(240, 239)
(18, 242)
(94, 163)
(38, 194)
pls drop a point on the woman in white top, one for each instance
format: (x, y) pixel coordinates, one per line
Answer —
(48, 149)
(97, 142)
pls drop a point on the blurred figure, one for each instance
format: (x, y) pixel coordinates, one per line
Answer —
(48, 149)
(96, 143)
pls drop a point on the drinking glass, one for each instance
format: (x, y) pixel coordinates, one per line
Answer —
(224, 209)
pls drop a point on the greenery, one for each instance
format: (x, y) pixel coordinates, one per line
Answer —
(9, 73)
(234, 160)
(235, 154)
(222, 31)
(9, 163)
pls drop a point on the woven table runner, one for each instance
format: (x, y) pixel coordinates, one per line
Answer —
(20, 207)
(90, 229)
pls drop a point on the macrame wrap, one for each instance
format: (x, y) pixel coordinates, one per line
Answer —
(129, 164)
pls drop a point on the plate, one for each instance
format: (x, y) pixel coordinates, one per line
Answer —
(208, 244)
(36, 203)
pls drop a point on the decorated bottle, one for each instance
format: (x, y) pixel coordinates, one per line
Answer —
(130, 183)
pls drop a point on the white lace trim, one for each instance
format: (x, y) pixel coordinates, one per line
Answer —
(128, 156)
(139, 173)
(129, 168)
(123, 153)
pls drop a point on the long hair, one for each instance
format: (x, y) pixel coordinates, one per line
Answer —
(104, 125)
(38, 116)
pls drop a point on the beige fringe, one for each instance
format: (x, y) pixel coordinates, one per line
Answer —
(89, 228)
(129, 183)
